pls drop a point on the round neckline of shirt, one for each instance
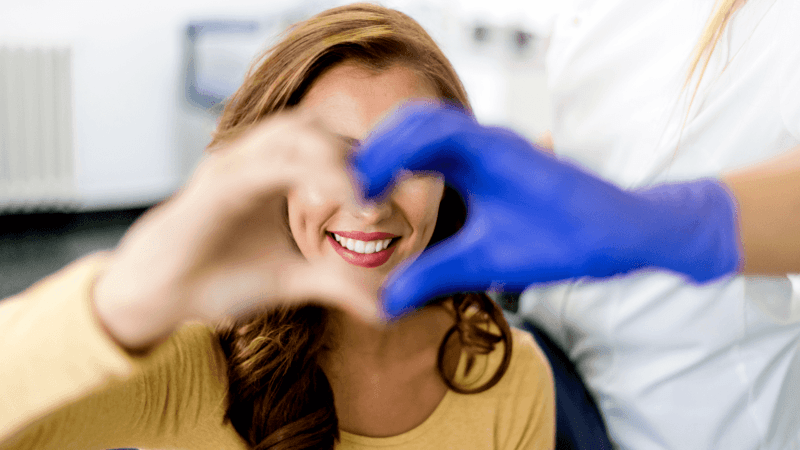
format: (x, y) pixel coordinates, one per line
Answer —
(436, 416)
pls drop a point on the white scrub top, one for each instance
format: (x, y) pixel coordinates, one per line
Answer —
(675, 365)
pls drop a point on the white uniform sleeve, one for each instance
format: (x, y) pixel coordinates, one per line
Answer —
(790, 85)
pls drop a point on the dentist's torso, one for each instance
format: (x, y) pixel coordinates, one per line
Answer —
(673, 365)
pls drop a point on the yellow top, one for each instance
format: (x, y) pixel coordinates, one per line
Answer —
(67, 385)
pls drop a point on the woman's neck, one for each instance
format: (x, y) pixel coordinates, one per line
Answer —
(385, 380)
(394, 342)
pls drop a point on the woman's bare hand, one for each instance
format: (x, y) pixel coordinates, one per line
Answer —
(221, 247)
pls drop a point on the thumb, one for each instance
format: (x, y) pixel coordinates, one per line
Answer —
(309, 282)
(449, 267)
(418, 137)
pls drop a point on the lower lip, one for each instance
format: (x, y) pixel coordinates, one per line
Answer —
(362, 259)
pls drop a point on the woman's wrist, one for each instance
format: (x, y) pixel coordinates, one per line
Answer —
(128, 320)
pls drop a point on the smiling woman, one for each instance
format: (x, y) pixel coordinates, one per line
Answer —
(350, 67)
(349, 100)
(268, 222)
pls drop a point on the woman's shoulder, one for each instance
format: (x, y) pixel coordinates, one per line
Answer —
(527, 366)
(525, 397)
(192, 350)
(186, 376)
(529, 371)
(518, 411)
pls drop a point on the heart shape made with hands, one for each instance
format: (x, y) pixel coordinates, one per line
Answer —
(532, 218)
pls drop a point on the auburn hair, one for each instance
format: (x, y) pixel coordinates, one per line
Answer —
(279, 397)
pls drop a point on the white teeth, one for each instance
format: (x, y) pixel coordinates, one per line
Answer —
(362, 246)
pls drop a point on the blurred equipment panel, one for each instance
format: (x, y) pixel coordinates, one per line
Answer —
(216, 54)
(216, 57)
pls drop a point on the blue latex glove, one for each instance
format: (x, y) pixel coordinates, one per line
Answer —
(533, 218)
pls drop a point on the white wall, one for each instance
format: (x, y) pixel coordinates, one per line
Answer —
(128, 90)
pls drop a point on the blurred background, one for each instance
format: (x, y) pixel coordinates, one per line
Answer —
(106, 107)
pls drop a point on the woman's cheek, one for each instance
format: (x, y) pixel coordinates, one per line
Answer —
(420, 197)
(309, 209)
(423, 188)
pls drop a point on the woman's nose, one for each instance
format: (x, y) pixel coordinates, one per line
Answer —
(372, 212)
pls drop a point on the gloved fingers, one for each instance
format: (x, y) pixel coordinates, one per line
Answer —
(449, 267)
(418, 137)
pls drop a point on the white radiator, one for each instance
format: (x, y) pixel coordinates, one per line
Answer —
(37, 161)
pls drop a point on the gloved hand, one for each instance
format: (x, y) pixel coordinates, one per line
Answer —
(532, 218)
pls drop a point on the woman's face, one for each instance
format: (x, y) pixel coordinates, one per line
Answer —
(368, 240)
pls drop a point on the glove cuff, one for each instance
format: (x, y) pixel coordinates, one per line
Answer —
(694, 229)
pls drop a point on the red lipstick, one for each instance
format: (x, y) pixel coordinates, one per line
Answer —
(370, 260)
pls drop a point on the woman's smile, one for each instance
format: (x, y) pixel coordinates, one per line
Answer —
(363, 249)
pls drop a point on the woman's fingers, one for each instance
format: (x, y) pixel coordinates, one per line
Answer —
(291, 138)
(317, 283)
(240, 291)
(284, 153)
(220, 247)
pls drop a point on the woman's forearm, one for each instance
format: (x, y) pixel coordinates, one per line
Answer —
(768, 198)
(52, 349)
